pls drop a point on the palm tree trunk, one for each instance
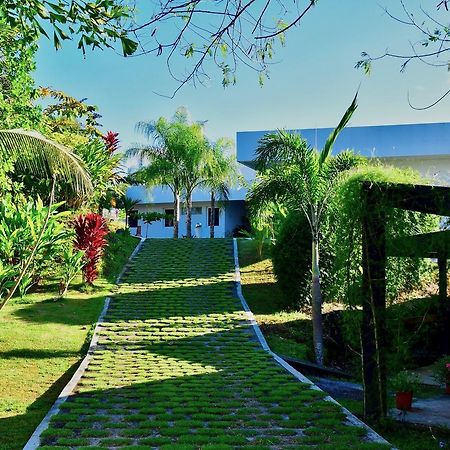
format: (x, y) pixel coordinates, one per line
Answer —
(176, 214)
(316, 303)
(212, 216)
(189, 216)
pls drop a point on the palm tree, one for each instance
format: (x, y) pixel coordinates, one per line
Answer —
(222, 173)
(302, 178)
(128, 204)
(31, 152)
(164, 158)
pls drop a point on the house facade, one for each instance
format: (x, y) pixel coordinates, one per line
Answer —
(230, 215)
(423, 147)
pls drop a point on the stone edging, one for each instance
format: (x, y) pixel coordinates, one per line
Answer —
(352, 419)
(35, 440)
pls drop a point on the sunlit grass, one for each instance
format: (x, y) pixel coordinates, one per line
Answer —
(180, 368)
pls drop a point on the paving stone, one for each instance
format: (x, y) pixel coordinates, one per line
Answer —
(178, 367)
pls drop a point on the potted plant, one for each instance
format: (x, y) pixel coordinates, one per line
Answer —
(403, 384)
(442, 372)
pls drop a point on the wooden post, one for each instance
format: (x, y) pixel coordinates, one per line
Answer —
(444, 307)
(373, 327)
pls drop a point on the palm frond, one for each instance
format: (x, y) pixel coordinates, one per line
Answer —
(34, 153)
(279, 147)
(328, 147)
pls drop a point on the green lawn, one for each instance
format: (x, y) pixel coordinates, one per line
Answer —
(42, 341)
(179, 368)
(288, 333)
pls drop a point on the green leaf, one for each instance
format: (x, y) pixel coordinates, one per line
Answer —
(128, 46)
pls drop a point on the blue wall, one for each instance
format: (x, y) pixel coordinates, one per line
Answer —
(378, 141)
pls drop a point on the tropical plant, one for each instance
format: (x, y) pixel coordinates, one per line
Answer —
(151, 216)
(291, 259)
(90, 232)
(72, 262)
(170, 156)
(31, 235)
(104, 168)
(302, 179)
(221, 174)
(128, 204)
(32, 153)
(404, 381)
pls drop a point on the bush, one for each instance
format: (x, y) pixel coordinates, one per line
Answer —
(21, 222)
(291, 257)
(90, 232)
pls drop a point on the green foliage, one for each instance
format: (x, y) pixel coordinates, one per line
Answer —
(20, 224)
(71, 264)
(96, 24)
(152, 216)
(119, 247)
(291, 257)
(403, 274)
(441, 370)
(17, 89)
(104, 170)
(404, 381)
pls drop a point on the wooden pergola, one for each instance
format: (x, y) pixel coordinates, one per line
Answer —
(376, 197)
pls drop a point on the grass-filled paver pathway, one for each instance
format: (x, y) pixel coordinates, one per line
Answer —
(178, 367)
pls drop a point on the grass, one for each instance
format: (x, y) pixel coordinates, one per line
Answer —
(179, 367)
(284, 337)
(287, 332)
(42, 342)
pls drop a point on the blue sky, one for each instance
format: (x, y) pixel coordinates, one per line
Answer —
(311, 85)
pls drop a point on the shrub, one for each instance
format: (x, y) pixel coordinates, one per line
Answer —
(90, 232)
(291, 257)
(21, 222)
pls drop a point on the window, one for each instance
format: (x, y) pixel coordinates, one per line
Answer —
(133, 219)
(195, 211)
(216, 217)
(168, 221)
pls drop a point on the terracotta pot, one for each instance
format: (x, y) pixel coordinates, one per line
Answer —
(403, 400)
(447, 388)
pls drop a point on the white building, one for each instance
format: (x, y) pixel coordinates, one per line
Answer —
(230, 215)
(423, 147)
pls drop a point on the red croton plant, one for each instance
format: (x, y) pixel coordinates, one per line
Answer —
(90, 232)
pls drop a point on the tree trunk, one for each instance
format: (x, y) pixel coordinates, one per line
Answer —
(176, 214)
(316, 303)
(212, 216)
(189, 216)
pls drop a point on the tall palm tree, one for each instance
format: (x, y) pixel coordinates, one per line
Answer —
(221, 174)
(164, 160)
(302, 178)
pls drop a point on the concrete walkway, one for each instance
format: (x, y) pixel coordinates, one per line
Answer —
(178, 366)
(433, 411)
